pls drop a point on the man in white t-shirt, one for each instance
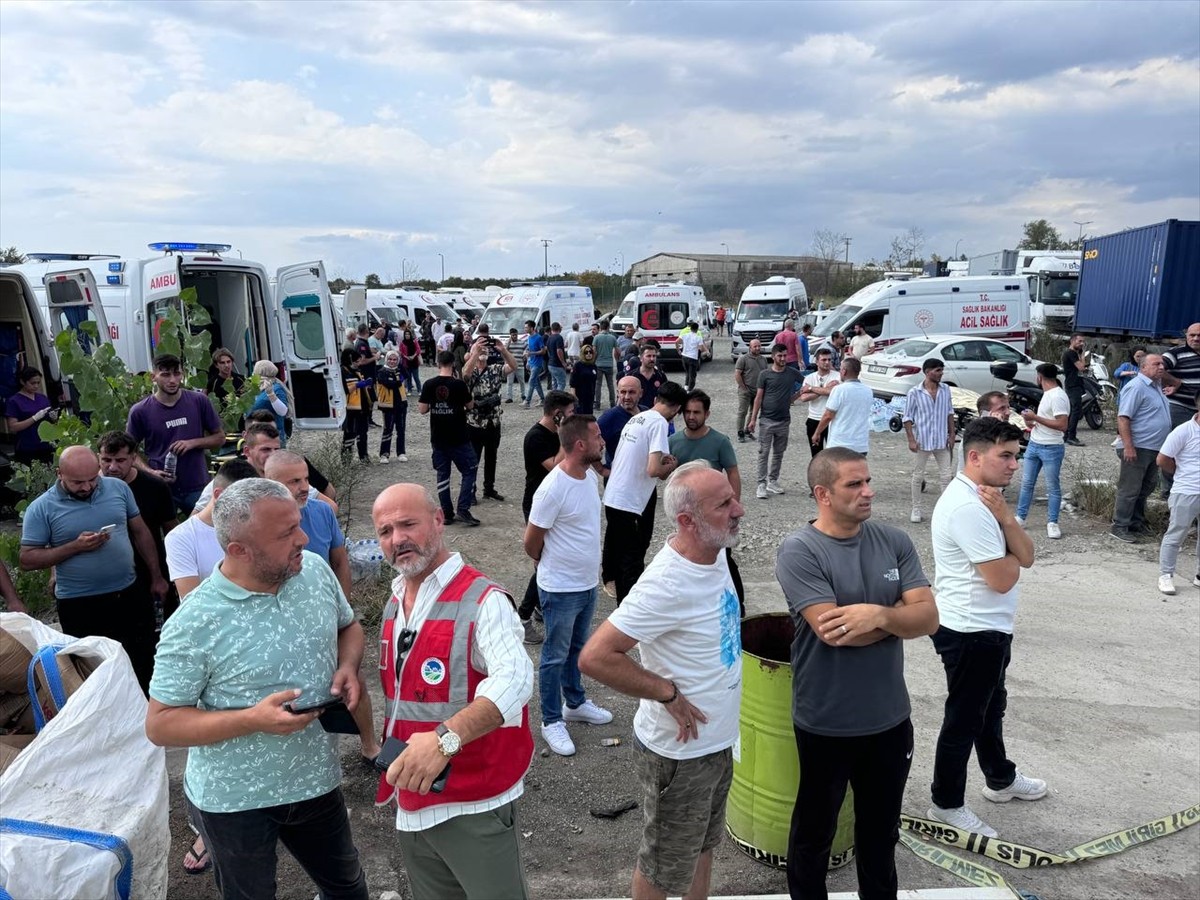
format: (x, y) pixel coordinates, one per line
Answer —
(683, 616)
(192, 548)
(573, 340)
(815, 391)
(979, 549)
(1180, 457)
(1046, 448)
(861, 344)
(563, 540)
(691, 345)
(643, 456)
(847, 413)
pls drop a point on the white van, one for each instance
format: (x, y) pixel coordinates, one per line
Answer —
(994, 306)
(292, 324)
(24, 341)
(662, 311)
(762, 310)
(393, 305)
(626, 314)
(545, 304)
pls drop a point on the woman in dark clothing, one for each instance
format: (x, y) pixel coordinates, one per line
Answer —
(410, 358)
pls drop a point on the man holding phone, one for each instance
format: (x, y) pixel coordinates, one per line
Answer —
(268, 629)
(458, 681)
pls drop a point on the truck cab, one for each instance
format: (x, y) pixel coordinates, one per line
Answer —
(1053, 286)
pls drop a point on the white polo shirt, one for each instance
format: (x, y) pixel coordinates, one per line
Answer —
(965, 534)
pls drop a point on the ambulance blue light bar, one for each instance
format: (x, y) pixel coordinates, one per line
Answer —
(187, 247)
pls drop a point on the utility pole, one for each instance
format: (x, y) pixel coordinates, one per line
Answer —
(443, 259)
(847, 240)
(546, 242)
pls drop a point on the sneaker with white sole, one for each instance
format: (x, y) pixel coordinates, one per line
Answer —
(1166, 584)
(964, 819)
(914, 516)
(1053, 531)
(588, 712)
(761, 492)
(1019, 521)
(385, 459)
(1022, 788)
(774, 488)
(556, 737)
(401, 458)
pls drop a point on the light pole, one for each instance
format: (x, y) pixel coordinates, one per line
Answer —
(443, 259)
(847, 240)
(546, 242)
(1081, 224)
(403, 270)
(956, 243)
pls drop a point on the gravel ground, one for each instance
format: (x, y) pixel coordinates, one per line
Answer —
(569, 853)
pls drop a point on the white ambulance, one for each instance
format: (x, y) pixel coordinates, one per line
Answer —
(564, 302)
(993, 306)
(24, 341)
(662, 311)
(292, 323)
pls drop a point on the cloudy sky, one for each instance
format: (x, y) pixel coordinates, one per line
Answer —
(375, 135)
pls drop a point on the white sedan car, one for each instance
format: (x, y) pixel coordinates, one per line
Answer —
(893, 371)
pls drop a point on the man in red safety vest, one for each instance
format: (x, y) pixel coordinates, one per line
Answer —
(457, 681)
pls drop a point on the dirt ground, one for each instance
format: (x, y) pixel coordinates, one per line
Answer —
(1099, 705)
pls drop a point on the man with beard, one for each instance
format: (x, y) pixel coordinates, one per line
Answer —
(326, 540)
(683, 616)
(463, 841)
(979, 550)
(856, 591)
(563, 540)
(264, 638)
(176, 424)
(87, 527)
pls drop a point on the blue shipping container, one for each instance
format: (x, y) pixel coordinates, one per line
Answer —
(1144, 282)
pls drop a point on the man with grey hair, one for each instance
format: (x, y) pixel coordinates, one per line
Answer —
(241, 672)
(683, 612)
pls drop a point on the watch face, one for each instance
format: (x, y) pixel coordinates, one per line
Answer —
(450, 743)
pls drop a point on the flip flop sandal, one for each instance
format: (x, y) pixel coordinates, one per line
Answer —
(203, 858)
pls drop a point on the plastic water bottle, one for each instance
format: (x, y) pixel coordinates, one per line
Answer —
(170, 463)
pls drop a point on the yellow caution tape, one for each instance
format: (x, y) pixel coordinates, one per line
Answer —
(970, 872)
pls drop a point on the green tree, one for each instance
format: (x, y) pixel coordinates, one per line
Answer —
(12, 255)
(372, 281)
(1041, 235)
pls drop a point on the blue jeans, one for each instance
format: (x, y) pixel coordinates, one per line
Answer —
(412, 380)
(558, 378)
(462, 456)
(1038, 457)
(535, 381)
(568, 620)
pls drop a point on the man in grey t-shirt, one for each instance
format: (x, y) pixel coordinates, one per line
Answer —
(777, 391)
(855, 590)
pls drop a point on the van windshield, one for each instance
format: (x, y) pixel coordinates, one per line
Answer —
(388, 314)
(625, 311)
(500, 320)
(662, 316)
(443, 312)
(836, 320)
(772, 310)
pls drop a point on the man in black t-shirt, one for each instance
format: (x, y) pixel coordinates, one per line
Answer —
(1072, 365)
(446, 399)
(542, 452)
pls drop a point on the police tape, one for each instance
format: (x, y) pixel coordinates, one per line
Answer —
(971, 872)
(1020, 856)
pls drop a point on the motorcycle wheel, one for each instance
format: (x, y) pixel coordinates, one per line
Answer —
(1094, 416)
(1107, 394)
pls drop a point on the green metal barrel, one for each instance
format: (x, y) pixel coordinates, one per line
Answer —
(766, 768)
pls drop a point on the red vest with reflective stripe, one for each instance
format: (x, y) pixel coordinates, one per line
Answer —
(438, 681)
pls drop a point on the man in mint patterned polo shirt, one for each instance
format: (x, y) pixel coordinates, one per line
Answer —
(270, 626)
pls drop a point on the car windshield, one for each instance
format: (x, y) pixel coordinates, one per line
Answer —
(500, 319)
(773, 310)
(914, 349)
(836, 320)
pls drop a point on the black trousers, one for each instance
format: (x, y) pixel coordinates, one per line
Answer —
(486, 442)
(1075, 395)
(532, 599)
(126, 616)
(626, 541)
(876, 766)
(810, 427)
(975, 663)
(691, 368)
(354, 431)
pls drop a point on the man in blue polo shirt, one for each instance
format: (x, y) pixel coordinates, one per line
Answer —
(269, 629)
(87, 527)
(535, 356)
(629, 394)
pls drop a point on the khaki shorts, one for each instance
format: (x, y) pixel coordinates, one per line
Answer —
(683, 803)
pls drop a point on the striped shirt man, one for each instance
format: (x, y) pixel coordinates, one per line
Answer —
(930, 416)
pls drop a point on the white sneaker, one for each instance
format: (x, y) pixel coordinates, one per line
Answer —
(558, 739)
(385, 459)
(1020, 521)
(963, 819)
(774, 488)
(1022, 788)
(761, 492)
(914, 516)
(588, 712)
(401, 458)
(1053, 531)
(1166, 584)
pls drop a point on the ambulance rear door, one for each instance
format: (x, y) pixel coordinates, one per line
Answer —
(71, 300)
(311, 345)
(162, 280)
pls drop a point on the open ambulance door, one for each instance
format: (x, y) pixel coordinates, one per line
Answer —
(311, 345)
(162, 281)
(71, 300)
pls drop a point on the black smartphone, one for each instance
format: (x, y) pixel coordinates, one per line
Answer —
(312, 707)
(335, 718)
(392, 748)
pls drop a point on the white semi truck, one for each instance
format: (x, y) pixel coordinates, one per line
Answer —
(1053, 277)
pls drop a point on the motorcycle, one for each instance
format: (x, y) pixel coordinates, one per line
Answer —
(1099, 373)
(1024, 395)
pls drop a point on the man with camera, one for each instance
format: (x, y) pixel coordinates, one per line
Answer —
(488, 364)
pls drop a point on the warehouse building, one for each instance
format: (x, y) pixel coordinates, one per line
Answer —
(725, 276)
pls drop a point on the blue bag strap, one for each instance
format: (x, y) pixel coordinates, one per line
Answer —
(97, 839)
(46, 656)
